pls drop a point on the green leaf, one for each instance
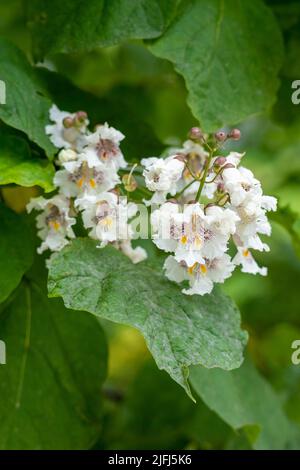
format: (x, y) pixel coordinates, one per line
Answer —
(16, 250)
(290, 220)
(229, 53)
(179, 330)
(154, 414)
(26, 108)
(169, 420)
(244, 400)
(51, 384)
(75, 25)
(17, 164)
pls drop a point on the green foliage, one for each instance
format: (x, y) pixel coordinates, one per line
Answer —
(19, 166)
(75, 25)
(290, 220)
(179, 331)
(243, 399)
(26, 108)
(237, 71)
(16, 250)
(51, 385)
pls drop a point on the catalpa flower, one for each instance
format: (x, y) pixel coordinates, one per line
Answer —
(81, 176)
(68, 129)
(136, 254)
(245, 259)
(104, 146)
(201, 276)
(54, 223)
(161, 176)
(192, 234)
(107, 216)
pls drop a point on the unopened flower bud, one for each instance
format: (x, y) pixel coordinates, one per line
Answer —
(129, 182)
(235, 134)
(67, 155)
(114, 191)
(181, 157)
(220, 136)
(221, 188)
(80, 118)
(68, 122)
(172, 200)
(220, 161)
(228, 165)
(195, 133)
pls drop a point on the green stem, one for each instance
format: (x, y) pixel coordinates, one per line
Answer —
(206, 168)
(186, 187)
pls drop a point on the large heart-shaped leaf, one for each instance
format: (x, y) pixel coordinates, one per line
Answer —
(75, 25)
(16, 250)
(229, 53)
(244, 400)
(51, 383)
(26, 107)
(179, 330)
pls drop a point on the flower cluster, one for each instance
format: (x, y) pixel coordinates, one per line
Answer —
(215, 201)
(204, 204)
(86, 180)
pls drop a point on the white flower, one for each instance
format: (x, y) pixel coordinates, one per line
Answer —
(241, 185)
(68, 129)
(136, 254)
(161, 176)
(54, 223)
(67, 155)
(175, 271)
(107, 216)
(269, 203)
(205, 235)
(104, 146)
(248, 263)
(167, 228)
(201, 276)
(193, 235)
(234, 158)
(253, 221)
(83, 177)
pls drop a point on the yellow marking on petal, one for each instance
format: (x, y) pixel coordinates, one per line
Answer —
(80, 182)
(198, 241)
(183, 239)
(246, 253)
(186, 175)
(192, 268)
(92, 183)
(107, 222)
(54, 224)
(203, 268)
